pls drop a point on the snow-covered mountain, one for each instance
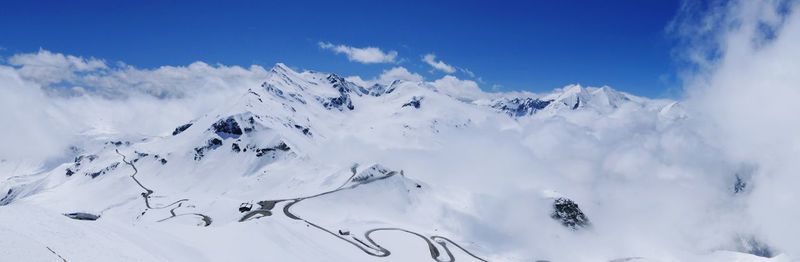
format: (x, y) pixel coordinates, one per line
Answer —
(311, 167)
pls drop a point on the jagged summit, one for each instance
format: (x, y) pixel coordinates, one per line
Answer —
(601, 100)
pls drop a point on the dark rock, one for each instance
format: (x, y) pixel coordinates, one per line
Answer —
(211, 144)
(740, 185)
(9, 197)
(251, 122)
(370, 173)
(577, 104)
(569, 214)
(82, 216)
(227, 128)
(280, 147)
(752, 246)
(104, 170)
(70, 172)
(118, 143)
(181, 128)
(415, 102)
(518, 107)
(163, 161)
(343, 100)
(80, 158)
(303, 129)
(235, 148)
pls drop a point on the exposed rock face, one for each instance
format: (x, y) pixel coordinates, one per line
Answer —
(751, 245)
(303, 129)
(227, 128)
(373, 172)
(181, 128)
(569, 214)
(104, 170)
(82, 216)
(415, 102)
(156, 157)
(271, 150)
(518, 107)
(739, 186)
(381, 89)
(119, 143)
(10, 196)
(199, 152)
(77, 163)
(341, 102)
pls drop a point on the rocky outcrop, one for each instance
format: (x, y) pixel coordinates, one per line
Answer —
(118, 143)
(211, 144)
(77, 163)
(270, 151)
(181, 128)
(373, 172)
(415, 102)
(751, 245)
(104, 170)
(569, 214)
(517, 107)
(10, 196)
(156, 157)
(343, 101)
(227, 128)
(304, 130)
(82, 216)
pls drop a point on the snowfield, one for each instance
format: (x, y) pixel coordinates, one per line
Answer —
(308, 166)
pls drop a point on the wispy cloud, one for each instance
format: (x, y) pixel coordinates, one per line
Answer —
(364, 55)
(467, 72)
(440, 65)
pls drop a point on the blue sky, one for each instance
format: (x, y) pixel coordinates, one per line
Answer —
(515, 45)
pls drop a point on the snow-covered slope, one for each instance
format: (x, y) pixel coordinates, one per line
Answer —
(311, 167)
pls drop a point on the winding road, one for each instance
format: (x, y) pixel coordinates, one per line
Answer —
(369, 247)
(148, 192)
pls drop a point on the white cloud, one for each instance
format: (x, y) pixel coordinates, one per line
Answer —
(399, 73)
(440, 65)
(54, 96)
(467, 90)
(66, 73)
(743, 88)
(28, 134)
(365, 55)
(48, 68)
(387, 76)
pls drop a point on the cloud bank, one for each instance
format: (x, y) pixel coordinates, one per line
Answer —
(743, 89)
